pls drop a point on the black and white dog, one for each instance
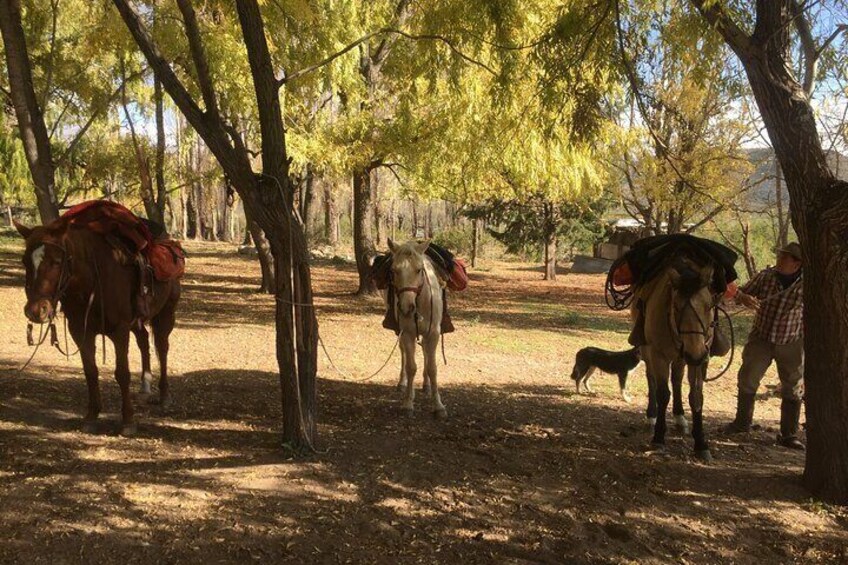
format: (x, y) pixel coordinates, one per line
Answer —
(620, 363)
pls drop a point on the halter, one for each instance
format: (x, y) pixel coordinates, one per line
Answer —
(678, 331)
(425, 279)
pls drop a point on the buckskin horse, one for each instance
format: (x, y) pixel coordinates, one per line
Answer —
(418, 308)
(96, 282)
(678, 308)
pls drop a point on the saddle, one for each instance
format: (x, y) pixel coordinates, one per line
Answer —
(451, 270)
(145, 242)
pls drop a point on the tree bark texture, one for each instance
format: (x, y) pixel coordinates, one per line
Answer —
(363, 243)
(819, 211)
(31, 125)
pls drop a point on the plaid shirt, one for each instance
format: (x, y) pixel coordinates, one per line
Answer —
(779, 319)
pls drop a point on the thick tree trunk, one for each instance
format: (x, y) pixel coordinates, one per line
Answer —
(331, 214)
(363, 244)
(297, 326)
(819, 209)
(31, 126)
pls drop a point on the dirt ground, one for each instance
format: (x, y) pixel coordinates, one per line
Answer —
(522, 471)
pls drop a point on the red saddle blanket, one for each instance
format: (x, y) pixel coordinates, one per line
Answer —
(166, 256)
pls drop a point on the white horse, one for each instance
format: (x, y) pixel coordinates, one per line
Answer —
(418, 309)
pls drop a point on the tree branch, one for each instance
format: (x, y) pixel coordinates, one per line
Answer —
(198, 55)
(715, 13)
(96, 114)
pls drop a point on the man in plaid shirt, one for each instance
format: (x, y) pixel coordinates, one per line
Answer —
(777, 335)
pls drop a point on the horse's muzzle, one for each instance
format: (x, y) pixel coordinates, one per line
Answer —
(38, 311)
(690, 360)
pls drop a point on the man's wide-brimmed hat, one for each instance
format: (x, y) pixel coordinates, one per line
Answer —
(792, 249)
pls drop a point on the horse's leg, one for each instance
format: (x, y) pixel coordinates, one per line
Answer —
(680, 422)
(142, 338)
(408, 345)
(88, 349)
(651, 412)
(121, 339)
(696, 405)
(661, 376)
(163, 324)
(401, 386)
(430, 375)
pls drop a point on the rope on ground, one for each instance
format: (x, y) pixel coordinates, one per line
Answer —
(348, 375)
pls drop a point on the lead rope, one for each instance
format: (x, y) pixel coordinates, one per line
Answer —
(42, 335)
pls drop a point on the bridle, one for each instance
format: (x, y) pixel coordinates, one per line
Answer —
(704, 331)
(417, 290)
(64, 276)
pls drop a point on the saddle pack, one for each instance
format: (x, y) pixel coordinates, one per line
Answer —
(142, 237)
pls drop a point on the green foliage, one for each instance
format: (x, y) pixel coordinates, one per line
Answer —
(524, 225)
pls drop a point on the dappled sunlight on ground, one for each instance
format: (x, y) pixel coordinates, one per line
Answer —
(523, 470)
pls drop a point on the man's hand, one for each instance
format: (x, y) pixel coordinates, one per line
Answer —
(747, 300)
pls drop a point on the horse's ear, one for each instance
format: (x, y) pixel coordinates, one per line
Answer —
(22, 229)
(392, 245)
(422, 246)
(675, 277)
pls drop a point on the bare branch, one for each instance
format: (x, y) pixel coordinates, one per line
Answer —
(329, 59)
(96, 114)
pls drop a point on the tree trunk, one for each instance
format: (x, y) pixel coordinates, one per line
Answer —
(363, 244)
(819, 209)
(30, 118)
(297, 326)
(161, 192)
(550, 243)
(379, 215)
(307, 201)
(475, 241)
(263, 252)
(331, 214)
(145, 179)
(782, 213)
(747, 255)
(267, 198)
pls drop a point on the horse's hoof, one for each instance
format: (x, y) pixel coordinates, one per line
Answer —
(89, 426)
(408, 412)
(704, 456)
(681, 425)
(440, 413)
(658, 448)
(626, 398)
(400, 388)
(129, 430)
(650, 423)
(165, 402)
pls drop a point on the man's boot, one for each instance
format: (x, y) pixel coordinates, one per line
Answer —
(446, 325)
(637, 334)
(790, 414)
(390, 321)
(744, 414)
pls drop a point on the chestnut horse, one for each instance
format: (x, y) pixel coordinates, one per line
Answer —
(97, 284)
